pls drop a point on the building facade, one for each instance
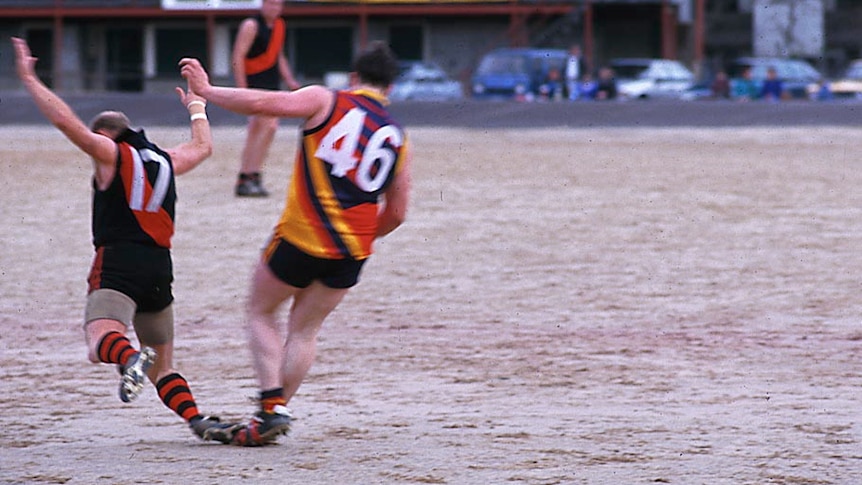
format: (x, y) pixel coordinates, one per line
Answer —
(134, 45)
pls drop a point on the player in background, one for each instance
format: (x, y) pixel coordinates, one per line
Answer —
(259, 62)
(132, 222)
(350, 185)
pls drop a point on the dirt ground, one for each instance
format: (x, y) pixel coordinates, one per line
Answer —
(595, 306)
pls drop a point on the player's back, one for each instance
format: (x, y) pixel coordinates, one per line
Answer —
(342, 168)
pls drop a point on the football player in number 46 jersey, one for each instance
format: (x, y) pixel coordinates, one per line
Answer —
(350, 185)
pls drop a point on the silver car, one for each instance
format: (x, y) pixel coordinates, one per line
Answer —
(848, 86)
(424, 81)
(639, 78)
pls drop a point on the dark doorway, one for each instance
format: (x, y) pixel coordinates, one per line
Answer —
(322, 49)
(627, 31)
(174, 44)
(41, 43)
(406, 41)
(125, 63)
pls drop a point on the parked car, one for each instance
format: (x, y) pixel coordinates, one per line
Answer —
(424, 81)
(643, 78)
(796, 75)
(697, 91)
(515, 73)
(849, 85)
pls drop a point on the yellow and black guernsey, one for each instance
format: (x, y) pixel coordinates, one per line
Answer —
(341, 170)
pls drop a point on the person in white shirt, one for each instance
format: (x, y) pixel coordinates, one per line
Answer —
(574, 71)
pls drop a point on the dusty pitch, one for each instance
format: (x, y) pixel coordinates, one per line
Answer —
(563, 306)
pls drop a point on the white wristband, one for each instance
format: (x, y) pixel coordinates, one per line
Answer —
(198, 116)
(198, 102)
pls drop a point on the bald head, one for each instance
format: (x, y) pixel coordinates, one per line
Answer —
(111, 123)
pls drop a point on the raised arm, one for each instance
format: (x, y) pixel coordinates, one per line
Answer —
(188, 155)
(102, 149)
(310, 102)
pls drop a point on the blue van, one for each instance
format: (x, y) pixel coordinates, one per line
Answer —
(515, 73)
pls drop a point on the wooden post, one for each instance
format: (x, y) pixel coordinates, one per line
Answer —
(57, 64)
(668, 31)
(517, 29)
(363, 25)
(699, 39)
(589, 37)
(699, 31)
(211, 26)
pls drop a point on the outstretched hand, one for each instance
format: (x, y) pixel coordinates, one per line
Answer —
(194, 73)
(187, 97)
(25, 63)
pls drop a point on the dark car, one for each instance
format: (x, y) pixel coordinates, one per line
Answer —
(797, 75)
(516, 73)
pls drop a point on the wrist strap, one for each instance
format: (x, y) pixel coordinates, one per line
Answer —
(196, 102)
(198, 116)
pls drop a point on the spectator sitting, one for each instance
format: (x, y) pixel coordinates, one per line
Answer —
(824, 91)
(552, 88)
(743, 88)
(587, 87)
(720, 87)
(773, 88)
(607, 85)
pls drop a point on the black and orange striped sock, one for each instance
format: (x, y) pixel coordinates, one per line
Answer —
(272, 398)
(115, 348)
(175, 393)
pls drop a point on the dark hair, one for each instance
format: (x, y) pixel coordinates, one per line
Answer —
(377, 65)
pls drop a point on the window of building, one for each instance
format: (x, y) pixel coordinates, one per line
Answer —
(322, 49)
(41, 43)
(406, 41)
(174, 44)
(125, 62)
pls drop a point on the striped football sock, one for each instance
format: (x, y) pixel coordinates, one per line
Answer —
(272, 398)
(175, 393)
(115, 348)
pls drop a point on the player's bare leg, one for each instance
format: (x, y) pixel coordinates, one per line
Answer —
(260, 134)
(107, 343)
(266, 343)
(266, 339)
(311, 306)
(95, 331)
(281, 363)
